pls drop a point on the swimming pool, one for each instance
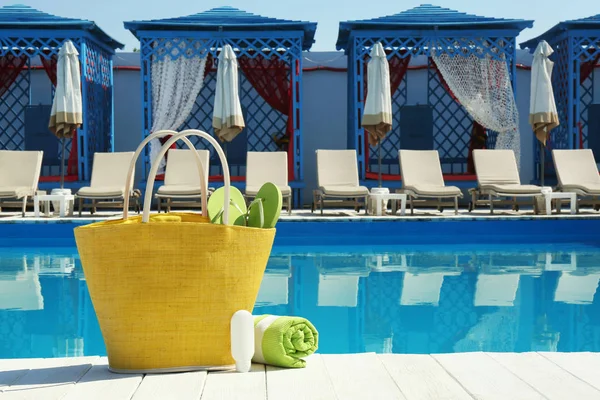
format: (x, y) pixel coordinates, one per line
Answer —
(418, 294)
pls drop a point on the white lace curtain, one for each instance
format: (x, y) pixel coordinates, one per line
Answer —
(483, 86)
(176, 84)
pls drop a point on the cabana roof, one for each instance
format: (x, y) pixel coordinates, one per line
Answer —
(24, 17)
(428, 17)
(226, 19)
(589, 23)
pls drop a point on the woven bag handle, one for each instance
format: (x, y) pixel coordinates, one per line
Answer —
(152, 175)
(138, 151)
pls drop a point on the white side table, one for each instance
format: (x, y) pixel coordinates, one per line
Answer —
(379, 198)
(47, 198)
(572, 197)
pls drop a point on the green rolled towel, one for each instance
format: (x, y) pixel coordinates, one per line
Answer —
(283, 341)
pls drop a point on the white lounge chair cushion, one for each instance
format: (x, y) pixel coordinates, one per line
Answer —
(19, 170)
(589, 188)
(263, 167)
(253, 190)
(513, 189)
(110, 170)
(337, 168)
(101, 192)
(496, 167)
(179, 190)
(15, 192)
(576, 168)
(349, 191)
(433, 190)
(182, 169)
(421, 168)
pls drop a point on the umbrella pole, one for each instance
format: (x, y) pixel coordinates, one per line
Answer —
(62, 164)
(542, 162)
(379, 160)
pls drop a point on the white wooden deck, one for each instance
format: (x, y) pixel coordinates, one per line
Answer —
(349, 376)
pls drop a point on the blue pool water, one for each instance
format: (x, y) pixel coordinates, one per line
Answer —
(400, 298)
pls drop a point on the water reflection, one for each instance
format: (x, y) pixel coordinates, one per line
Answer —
(382, 300)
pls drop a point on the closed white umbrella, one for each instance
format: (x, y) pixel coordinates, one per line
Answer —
(228, 121)
(377, 117)
(66, 115)
(542, 107)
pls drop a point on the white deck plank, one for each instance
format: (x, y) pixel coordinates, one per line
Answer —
(49, 379)
(99, 383)
(183, 386)
(583, 365)
(307, 383)
(546, 377)
(360, 376)
(484, 378)
(234, 385)
(420, 377)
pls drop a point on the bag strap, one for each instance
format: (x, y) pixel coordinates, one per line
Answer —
(138, 151)
(183, 136)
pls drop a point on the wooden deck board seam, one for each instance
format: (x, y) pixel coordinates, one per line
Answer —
(570, 373)
(455, 378)
(515, 375)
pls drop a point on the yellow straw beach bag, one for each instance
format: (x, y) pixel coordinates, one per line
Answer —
(165, 286)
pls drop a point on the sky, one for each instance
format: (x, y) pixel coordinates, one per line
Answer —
(110, 14)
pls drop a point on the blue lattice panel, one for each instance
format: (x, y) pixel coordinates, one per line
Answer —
(559, 137)
(12, 113)
(97, 123)
(497, 47)
(585, 48)
(586, 92)
(175, 47)
(452, 126)
(97, 68)
(34, 47)
(391, 143)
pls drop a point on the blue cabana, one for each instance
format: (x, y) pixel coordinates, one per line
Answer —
(576, 47)
(441, 123)
(27, 34)
(269, 53)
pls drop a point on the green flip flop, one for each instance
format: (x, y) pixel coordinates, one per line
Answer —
(265, 208)
(237, 206)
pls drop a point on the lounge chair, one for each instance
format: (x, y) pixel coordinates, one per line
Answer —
(182, 179)
(107, 186)
(422, 178)
(498, 176)
(337, 178)
(19, 175)
(577, 173)
(265, 167)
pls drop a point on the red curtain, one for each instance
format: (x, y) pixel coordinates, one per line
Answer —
(49, 65)
(398, 69)
(587, 68)
(270, 78)
(10, 68)
(478, 131)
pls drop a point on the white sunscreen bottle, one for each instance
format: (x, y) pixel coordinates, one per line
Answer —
(242, 340)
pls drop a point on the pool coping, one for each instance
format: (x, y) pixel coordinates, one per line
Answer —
(335, 216)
